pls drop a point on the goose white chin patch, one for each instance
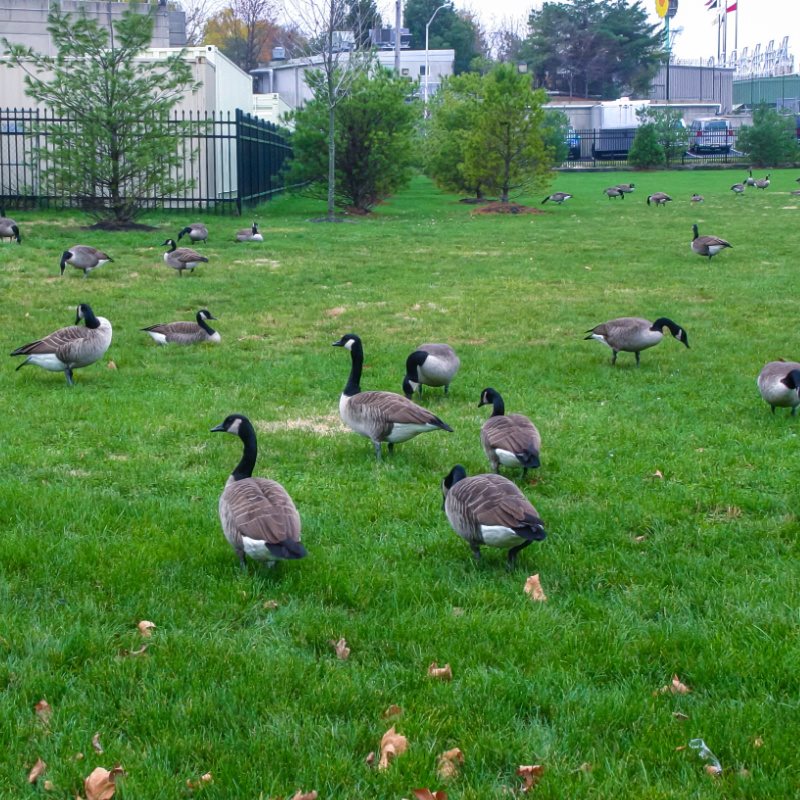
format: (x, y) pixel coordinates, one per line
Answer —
(234, 429)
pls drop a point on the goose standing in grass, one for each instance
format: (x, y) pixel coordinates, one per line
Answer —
(70, 348)
(430, 365)
(762, 183)
(707, 245)
(197, 232)
(83, 257)
(185, 332)
(634, 334)
(380, 416)
(659, 199)
(250, 234)
(258, 516)
(750, 180)
(9, 228)
(738, 189)
(490, 510)
(697, 198)
(779, 385)
(612, 191)
(557, 197)
(508, 439)
(181, 258)
(626, 188)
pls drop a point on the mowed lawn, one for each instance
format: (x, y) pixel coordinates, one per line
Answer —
(669, 494)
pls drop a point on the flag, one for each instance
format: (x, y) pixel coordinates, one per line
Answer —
(711, 4)
(731, 7)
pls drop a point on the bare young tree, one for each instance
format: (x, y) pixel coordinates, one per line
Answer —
(258, 17)
(197, 15)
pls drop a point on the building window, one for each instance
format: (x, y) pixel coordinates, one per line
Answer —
(421, 69)
(404, 71)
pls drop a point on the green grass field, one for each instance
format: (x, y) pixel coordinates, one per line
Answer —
(110, 490)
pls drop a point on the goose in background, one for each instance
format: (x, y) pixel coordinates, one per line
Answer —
(762, 183)
(707, 245)
(779, 385)
(9, 228)
(197, 232)
(489, 510)
(750, 180)
(557, 197)
(626, 188)
(250, 234)
(634, 334)
(70, 348)
(430, 365)
(83, 257)
(612, 191)
(508, 439)
(659, 199)
(185, 332)
(697, 198)
(258, 516)
(380, 416)
(738, 188)
(181, 258)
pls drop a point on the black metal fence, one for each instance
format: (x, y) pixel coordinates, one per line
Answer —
(229, 161)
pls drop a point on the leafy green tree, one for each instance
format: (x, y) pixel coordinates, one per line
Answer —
(374, 142)
(604, 48)
(646, 150)
(362, 18)
(670, 130)
(117, 151)
(770, 140)
(555, 129)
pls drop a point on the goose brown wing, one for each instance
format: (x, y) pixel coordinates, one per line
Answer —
(262, 510)
(178, 328)
(62, 342)
(393, 408)
(186, 255)
(512, 432)
(711, 241)
(494, 500)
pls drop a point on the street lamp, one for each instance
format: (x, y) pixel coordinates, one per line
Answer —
(427, 64)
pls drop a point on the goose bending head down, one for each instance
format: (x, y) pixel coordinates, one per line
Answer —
(634, 334)
(185, 332)
(779, 385)
(659, 199)
(70, 348)
(490, 510)
(83, 257)
(380, 416)
(508, 439)
(430, 365)
(9, 228)
(196, 231)
(707, 245)
(258, 516)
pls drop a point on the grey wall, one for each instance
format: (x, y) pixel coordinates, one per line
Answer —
(692, 84)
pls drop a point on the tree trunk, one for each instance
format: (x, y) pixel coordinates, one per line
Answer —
(331, 161)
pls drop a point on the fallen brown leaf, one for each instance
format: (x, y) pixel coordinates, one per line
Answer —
(44, 711)
(449, 763)
(98, 748)
(202, 781)
(530, 776)
(111, 365)
(679, 715)
(585, 767)
(393, 744)
(533, 587)
(101, 783)
(658, 474)
(639, 539)
(341, 648)
(270, 605)
(335, 312)
(300, 795)
(674, 687)
(713, 770)
(78, 757)
(427, 794)
(458, 611)
(392, 711)
(680, 747)
(36, 772)
(758, 742)
(146, 628)
(49, 786)
(444, 673)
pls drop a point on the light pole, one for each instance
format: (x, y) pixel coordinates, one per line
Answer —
(427, 64)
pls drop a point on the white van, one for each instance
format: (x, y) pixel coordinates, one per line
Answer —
(710, 135)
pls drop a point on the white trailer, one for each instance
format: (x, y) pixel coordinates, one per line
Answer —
(615, 123)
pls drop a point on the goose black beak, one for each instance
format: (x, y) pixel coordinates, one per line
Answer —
(218, 428)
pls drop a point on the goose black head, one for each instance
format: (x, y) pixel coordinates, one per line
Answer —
(205, 314)
(409, 387)
(65, 256)
(675, 329)
(455, 475)
(348, 341)
(232, 424)
(487, 397)
(182, 233)
(254, 228)
(792, 380)
(169, 243)
(84, 312)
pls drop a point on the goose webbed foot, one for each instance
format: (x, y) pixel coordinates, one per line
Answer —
(68, 376)
(476, 553)
(637, 358)
(377, 446)
(390, 448)
(614, 357)
(242, 562)
(512, 555)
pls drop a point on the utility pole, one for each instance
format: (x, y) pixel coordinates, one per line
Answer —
(398, 18)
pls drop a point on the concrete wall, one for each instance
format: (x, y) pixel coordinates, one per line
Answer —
(694, 84)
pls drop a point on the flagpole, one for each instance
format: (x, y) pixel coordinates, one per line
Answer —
(736, 29)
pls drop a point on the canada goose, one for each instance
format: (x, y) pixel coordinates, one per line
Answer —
(197, 232)
(508, 439)
(750, 180)
(490, 510)
(795, 192)
(707, 245)
(557, 197)
(70, 348)
(258, 517)
(250, 234)
(626, 188)
(633, 334)
(697, 198)
(779, 384)
(81, 256)
(762, 183)
(659, 198)
(8, 227)
(612, 191)
(380, 416)
(185, 332)
(181, 258)
(738, 188)
(430, 365)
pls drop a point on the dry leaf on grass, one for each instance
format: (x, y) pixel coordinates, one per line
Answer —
(639, 539)
(202, 781)
(679, 715)
(658, 474)
(530, 775)
(270, 605)
(44, 711)
(49, 786)
(758, 742)
(341, 648)
(101, 783)
(36, 772)
(392, 711)
(444, 673)
(98, 748)
(449, 763)
(427, 794)
(111, 365)
(335, 312)
(393, 744)
(585, 767)
(301, 795)
(146, 628)
(674, 687)
(533, 587)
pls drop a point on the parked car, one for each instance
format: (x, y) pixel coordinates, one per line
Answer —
(710, 135)
(573, 142)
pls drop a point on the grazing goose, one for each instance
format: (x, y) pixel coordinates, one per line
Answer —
(8, 227)
(557, 197)
(626, 188)
(185, 332)
(430, 365)
(181, 258)
(197, 232)
(490, 510)
(380, 416)
(707, 245)
(762, 183)
(70, 348)
(613, 191)
(81, 256)
(738, 188)
(659, 198)
(633, 334)
(697, 198)
(779, 384)
(508, 439)
(795, 192)
(250, 234)
(258, 517)
(750, 180)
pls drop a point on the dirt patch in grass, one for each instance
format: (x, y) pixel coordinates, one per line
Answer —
(507, 208)
(325, 426)
(114, 225)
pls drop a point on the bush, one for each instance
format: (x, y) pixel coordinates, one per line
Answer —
(646, 150)
(770, 140)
